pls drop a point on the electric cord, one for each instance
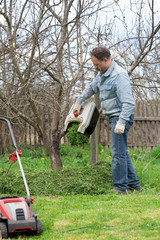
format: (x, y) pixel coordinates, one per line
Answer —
(4, 162)
(75, 229)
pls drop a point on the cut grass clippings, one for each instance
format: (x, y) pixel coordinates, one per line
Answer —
(95, 179)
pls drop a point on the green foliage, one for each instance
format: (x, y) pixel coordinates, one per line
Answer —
(74, 156)
(33, 151)
(154, 155)
(147, 165)
(74, 137)
(29, 151)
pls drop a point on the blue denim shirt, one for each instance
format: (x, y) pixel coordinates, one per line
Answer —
(115, 91)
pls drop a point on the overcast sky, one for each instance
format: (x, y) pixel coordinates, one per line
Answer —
(125, 5)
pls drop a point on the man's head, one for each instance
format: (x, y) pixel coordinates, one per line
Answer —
(101, 58)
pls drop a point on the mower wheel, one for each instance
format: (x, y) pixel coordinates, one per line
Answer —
(39, 227)
(3, 230)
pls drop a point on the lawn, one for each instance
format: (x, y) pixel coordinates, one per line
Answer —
(110, 216)
(95, 214)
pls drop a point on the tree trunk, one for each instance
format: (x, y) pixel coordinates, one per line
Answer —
(55, 128)
(53, 149)
(93, 149)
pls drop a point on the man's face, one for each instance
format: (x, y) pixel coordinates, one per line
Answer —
(101, 66)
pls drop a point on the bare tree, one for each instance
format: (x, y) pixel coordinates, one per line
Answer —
(41, 62)
(44, 60)
(137, 46)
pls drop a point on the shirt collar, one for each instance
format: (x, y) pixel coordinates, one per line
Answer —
(110, 69)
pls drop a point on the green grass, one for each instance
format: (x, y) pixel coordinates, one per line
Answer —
(135, 216)
(75, 202)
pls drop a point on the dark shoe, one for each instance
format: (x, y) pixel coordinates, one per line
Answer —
(138, 188)
(118, 191)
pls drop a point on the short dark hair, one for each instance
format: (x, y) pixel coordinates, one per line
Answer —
(100, 53)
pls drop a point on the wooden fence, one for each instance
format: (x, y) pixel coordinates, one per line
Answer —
(145, 131)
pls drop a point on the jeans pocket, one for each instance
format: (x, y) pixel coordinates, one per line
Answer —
(113, 120)
(130, 122)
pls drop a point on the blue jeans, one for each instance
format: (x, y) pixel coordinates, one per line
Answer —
(123, 172)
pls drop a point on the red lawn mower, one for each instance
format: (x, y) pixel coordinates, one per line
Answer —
(16, 215)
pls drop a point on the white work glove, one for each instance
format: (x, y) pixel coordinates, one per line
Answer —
(76, 107)
(119, 128)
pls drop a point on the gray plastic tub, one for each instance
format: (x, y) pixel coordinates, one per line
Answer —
(87, 118)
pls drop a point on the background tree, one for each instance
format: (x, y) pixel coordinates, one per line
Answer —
(44, 61)
(41, 62)
(137, 44)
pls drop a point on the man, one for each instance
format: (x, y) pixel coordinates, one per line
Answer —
(114, 86)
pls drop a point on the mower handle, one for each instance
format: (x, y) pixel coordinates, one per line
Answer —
(18, 157)
(11, 132)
